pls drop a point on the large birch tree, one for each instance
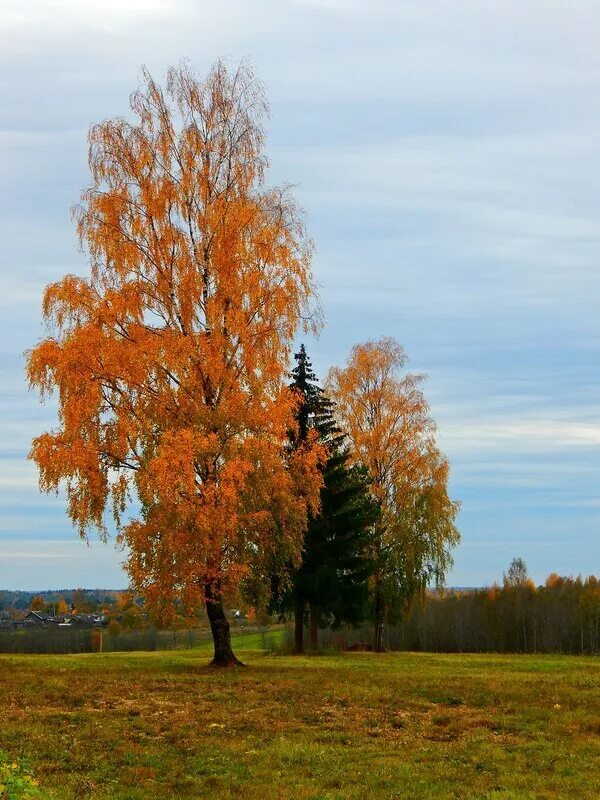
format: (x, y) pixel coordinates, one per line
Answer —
(169, 359)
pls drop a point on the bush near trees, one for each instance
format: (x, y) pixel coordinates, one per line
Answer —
(17, 781)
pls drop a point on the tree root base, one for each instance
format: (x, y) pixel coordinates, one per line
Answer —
(231, 661)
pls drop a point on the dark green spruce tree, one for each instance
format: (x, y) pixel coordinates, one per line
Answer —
(330, 587)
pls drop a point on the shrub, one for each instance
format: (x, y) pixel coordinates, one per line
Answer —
(16, 780)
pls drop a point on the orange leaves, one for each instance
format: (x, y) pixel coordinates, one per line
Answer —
(171, 469)
(62, 607)
(41, 362)
(305, 463)
(170, 360)
(67, 302)
(554, 580)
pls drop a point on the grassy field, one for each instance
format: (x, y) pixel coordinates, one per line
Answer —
(163, 725)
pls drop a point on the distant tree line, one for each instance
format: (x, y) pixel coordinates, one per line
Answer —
(560, 616)
(85, 600)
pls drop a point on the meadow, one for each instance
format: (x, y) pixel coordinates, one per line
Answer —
(128, 726)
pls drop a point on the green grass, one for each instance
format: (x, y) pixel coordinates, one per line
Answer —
(273, 639)
(164, 725)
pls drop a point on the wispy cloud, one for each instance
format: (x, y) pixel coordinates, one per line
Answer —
(519, 436)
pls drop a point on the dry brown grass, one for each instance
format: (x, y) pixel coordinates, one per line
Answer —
(163, 725)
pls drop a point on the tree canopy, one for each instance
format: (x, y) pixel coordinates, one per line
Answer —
(169, 359)
(384, 412)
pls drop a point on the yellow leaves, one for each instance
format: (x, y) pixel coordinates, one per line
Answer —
(124, 600)
(386, 417)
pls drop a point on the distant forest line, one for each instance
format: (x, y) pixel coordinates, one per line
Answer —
(21, 599)
(516, 616)
(561, 616)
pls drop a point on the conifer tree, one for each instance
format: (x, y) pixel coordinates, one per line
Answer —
(331, 583)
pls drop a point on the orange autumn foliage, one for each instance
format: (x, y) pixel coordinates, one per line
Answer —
(62, 608)
(38, 603)
(169, 360)
(554, 580)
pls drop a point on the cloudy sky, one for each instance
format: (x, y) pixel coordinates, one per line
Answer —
(447, 155)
